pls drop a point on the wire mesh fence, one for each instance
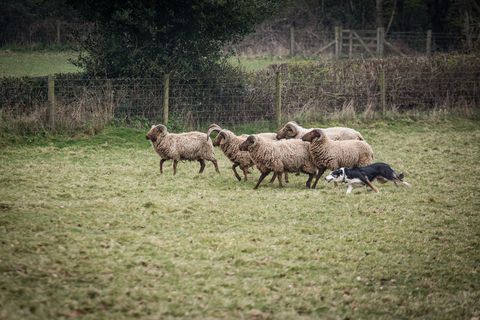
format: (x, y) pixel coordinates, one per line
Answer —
(306, 95)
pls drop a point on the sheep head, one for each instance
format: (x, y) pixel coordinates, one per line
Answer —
(221, 139)
(288, 131)
(213, 128)
(312, 135)
(247, 143)
(155, 131)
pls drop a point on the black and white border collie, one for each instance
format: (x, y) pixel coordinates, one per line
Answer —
(364, 176)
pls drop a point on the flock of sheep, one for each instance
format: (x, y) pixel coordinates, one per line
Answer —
(293, 149)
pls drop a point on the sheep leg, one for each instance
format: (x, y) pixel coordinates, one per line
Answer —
(161, 164)
(235, 171)
(175, 167)
(309, 181)
(245, 172)
(279, 176)
(202, 165)
(286, 177)
(320, 171)
(215, 163)
(273, 178)
(262, 176)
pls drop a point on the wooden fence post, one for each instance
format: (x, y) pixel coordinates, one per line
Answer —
(337, 42)
(382, 90)
(292, 41)
(166, 89)
(380, 40)
(51, 102)
(278, 100)
(429, 42)
(350, 44)
(58, 31)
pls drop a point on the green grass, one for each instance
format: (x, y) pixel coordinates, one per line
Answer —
(35, 63)
(90, 229)
(18, 63)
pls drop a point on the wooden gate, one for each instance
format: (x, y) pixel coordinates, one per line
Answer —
(348, 43)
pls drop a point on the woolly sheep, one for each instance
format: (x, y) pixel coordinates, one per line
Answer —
(229, 143)
(330, 154)
(182, 146)
(292, 130)
(279, 156)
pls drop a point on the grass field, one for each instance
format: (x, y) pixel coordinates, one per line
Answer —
(35, 63)
(90, 229)
(43, 63)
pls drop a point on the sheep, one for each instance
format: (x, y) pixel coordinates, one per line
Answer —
(292, 130)
(229, 143)
(182, 146)
(330, 154)
(279, 156)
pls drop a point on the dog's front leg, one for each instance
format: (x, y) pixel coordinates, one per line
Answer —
(349, 189)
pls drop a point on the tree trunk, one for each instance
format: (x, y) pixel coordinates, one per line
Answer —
(379, 13)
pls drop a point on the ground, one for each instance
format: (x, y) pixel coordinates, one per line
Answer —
(90, 229)
(35, 63)
(14, 63)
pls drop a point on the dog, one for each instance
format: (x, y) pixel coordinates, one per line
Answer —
(364, 176)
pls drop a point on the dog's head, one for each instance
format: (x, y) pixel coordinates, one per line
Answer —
(247, 143)
(337, 175)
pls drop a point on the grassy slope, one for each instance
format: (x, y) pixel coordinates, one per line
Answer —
(35, 63)
(42, 63)
(89, 228)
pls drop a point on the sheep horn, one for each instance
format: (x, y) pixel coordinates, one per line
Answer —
(214, 125)
(213, 128)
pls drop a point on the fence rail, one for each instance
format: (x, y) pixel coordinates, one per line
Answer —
(270, 97)
(342, 42)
